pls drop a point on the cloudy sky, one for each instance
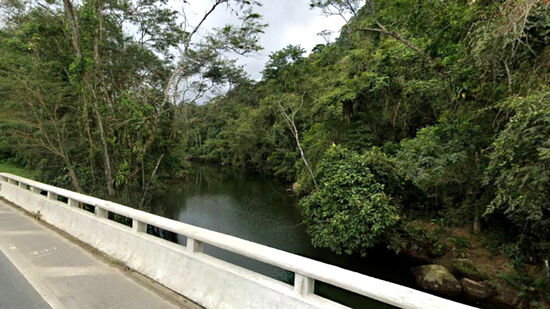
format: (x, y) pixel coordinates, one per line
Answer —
(290, 22)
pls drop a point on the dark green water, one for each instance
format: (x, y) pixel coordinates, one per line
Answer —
(259, 209)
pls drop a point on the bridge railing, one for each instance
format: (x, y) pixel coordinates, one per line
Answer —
(306, 271)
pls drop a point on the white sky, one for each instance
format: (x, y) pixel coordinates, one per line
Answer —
(290, 22)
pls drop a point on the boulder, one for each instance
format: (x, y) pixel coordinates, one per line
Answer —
(438, 279)
(467, 269)
(475, 290)
(295, 187)
(506, 297)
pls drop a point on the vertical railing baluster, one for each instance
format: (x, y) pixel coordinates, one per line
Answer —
(303, 285)
(52, 196)
(194, 246)
(139, 226)
(73, 203)
(101, 213)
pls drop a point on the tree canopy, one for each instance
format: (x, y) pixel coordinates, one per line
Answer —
(453, 92)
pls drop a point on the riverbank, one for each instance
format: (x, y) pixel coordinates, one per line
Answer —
(258, 208)
(454, 262)
(446, 260)
(479, 264)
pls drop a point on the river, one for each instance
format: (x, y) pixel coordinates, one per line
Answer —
(257, 208)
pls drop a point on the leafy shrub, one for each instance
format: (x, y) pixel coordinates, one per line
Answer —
(461, 242)
(352, 208)
(440, 157)
(519, 167)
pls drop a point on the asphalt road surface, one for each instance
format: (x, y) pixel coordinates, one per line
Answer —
(39, 268)
(15, 291)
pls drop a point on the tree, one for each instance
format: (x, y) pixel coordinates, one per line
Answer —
(290, 119)
(516, 35)
(425, 81)
(352, 208)
(196, 56)
(344, 8)
(116, 83)
(39, 110)
(518, 168)
(444, 161)
(281, 60)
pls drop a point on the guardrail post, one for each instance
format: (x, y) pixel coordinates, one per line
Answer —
(52, 196)
(101, 213)
(2, 178)
(73, 203)
(22, 185)
(35, 190)
(139, 226)
(11, 181)
(194, 246)
(303, 285)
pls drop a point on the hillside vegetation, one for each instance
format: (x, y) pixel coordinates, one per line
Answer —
(424, 128)
(421, 111)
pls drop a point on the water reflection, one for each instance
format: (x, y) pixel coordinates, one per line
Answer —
(256, 208)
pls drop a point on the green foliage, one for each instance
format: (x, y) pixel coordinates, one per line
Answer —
(534, 288)
(281, 60)
(444, 159)
(6, 167)
(83, 96)
(440, 92)
(352, 209)
(460, 242)
(431, 91)
(518, 167)
(513, 41)
(426, 98)
(417, 239)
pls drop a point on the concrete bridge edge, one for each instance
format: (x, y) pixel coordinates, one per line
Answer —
(143, 280)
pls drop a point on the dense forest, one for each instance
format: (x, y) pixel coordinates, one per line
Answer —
(424, 128)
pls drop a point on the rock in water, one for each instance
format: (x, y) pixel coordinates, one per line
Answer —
(438, 279)
(476, 290)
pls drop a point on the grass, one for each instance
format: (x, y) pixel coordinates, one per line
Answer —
(16, 170)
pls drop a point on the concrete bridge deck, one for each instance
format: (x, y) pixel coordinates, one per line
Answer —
(39, 268)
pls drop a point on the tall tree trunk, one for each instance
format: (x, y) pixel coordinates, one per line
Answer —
(106, 156)
(477, 222)
(74, 27)
(473, 194)
(86, 119)
(146, 188)
(97, 60)
(292, 126)
(98, 75)
(72, 173)
(295, 131)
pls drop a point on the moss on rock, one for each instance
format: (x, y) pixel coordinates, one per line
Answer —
(467, 269)
(438, 279)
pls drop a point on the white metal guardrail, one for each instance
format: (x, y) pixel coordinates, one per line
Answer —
(306, 270)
